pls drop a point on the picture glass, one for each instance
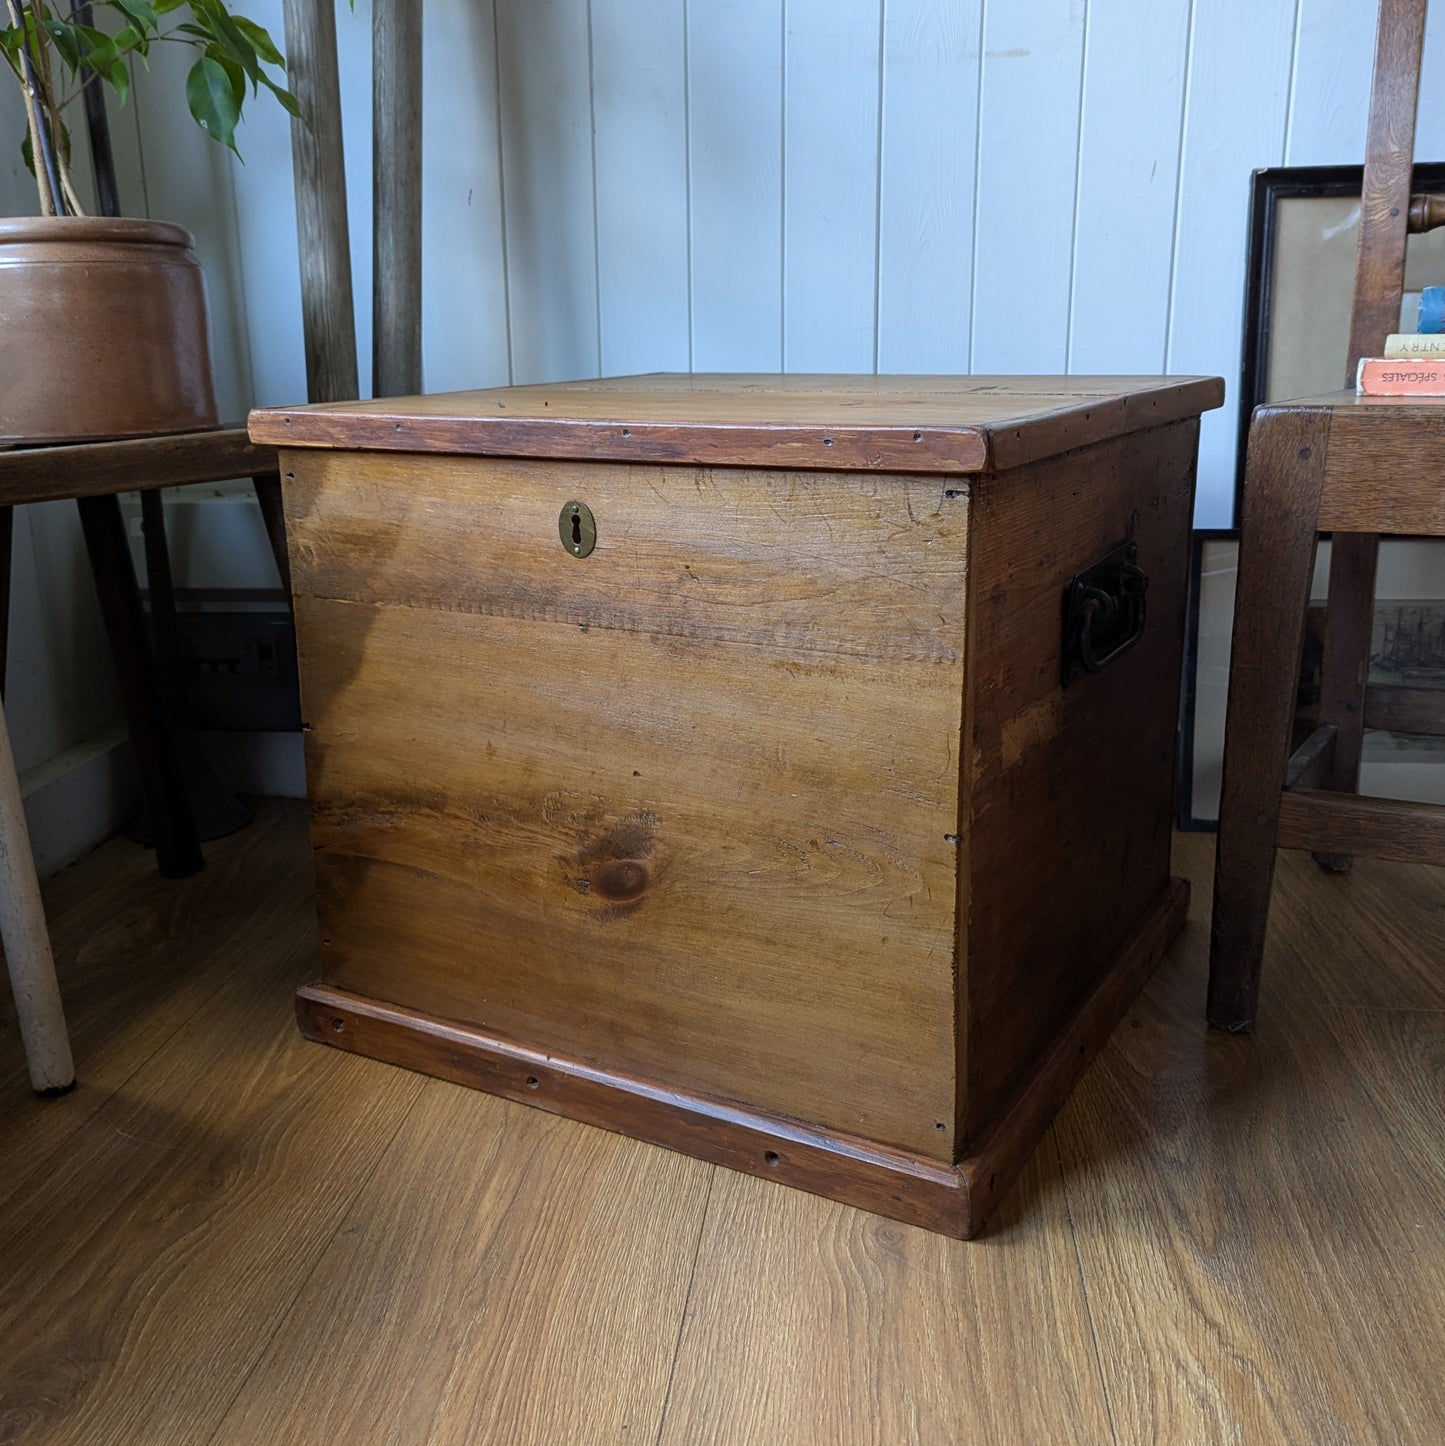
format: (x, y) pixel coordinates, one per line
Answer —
(1313, 275)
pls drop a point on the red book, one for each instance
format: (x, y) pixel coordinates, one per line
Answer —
(1400, 377)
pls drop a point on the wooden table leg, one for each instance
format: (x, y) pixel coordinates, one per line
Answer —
(27, 942)
(178, 849)
(1283, 478)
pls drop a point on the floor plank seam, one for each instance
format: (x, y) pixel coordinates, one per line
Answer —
(686, 1306)
(320, 1254)
(1084, 1285)
(1388, 1008)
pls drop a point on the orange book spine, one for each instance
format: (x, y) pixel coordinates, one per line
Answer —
(1400, 377)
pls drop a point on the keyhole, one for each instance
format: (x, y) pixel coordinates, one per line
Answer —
(576, 529)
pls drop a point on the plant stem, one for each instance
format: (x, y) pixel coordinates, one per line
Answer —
(47, 178)
(72, 200)
(51, 114)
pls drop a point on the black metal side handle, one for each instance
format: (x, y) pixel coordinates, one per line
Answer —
(1105, 610)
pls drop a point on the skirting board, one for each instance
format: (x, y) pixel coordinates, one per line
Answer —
(89, 793)
(952, 1200)
(78, 799)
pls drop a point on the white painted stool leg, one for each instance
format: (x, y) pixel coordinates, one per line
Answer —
(27, 941)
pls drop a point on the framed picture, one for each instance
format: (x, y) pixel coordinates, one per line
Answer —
(1304, 224)
(1407, 656)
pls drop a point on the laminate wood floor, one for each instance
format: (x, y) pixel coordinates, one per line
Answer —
(230, 1235)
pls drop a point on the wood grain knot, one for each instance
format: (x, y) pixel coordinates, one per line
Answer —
(621, 880)
(614, 866)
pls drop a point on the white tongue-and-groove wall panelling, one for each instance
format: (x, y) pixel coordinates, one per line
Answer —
(824, 185)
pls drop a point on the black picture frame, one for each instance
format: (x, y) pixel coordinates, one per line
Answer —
(1269, 187)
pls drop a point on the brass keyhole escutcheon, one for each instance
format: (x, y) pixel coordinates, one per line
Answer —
(577, 528)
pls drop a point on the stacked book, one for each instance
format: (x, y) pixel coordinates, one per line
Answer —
(1414, 361)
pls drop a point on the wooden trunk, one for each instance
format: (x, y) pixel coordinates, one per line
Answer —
(767, 829)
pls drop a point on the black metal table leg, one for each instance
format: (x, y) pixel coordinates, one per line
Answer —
(268, 497)
(143, 695)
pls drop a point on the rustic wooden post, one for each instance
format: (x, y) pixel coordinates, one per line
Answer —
(328, 316)
(396, 194)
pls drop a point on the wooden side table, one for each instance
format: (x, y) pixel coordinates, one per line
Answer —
(93, 473)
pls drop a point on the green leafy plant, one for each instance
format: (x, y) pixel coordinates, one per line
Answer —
(55, 54)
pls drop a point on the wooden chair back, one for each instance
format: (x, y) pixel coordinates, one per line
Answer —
(1385, 210)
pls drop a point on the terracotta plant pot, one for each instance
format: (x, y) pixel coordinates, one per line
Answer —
(103, 330)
